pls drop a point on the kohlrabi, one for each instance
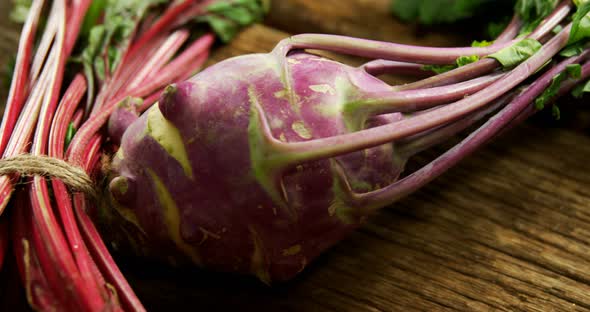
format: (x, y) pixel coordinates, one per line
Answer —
(261, 162)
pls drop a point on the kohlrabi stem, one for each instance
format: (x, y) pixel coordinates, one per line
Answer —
(380, 67)
(489, 130)
(423, 141)
(469, 71)
(550, 22)
(511, 30)
(383, 50)
(300, 152)
(415, 100)
(487, 65)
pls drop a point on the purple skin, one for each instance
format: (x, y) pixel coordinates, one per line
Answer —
(247, 230)
(261, 162)
(123, 116)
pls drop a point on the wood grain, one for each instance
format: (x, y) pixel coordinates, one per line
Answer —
(506, 230)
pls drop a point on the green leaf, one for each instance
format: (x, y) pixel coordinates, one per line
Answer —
(517, 53)
(571, 71)
(556, 112)
(574, 70)
(438, 69)
(464, 60)
(228, 17)
(580, 89)
(481, 44)
(534, 10)
(572, 50)
(70, 134)
(532, 13)
(581, 23)
(93, 14)
(461, 61)
(20, 10)
(551, 91)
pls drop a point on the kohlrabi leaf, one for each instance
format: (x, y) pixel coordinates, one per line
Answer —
(461, 61)
(574, 70)
(580, 89)
(464, 60)
(20, 10)
(572, 50)
(571, 71)
(533, 10)
(481, 44)
(438, 69)
(430, 12)
(227, 17)
(581, 22)
(551, 91)
(70, 134)
(517, 53)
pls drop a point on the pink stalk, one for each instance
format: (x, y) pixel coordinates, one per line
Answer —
(39, 294)
(123, 73)
(64, 114)
(78, 118)
(96, 121)
(17, 95)
(160, 26)
(103, 257)
(89, 273)
(75, 18)
(158, 60)
(23, 130)
(189, 67)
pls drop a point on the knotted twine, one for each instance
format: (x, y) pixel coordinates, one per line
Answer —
(28, 165)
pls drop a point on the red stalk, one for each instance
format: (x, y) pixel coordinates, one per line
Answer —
(39, 294)
(96, 121)
(17, 93)
(103, 258)
(65, 113)
(23, 130)
(59, 258)
(160, 26)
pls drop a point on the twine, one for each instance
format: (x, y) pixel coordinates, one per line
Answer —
(28, 165)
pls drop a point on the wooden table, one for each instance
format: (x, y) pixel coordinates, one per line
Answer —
(508, 229)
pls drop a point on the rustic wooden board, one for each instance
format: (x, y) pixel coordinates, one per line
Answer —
(508, 229)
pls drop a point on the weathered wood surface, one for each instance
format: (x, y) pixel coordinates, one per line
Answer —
(506, 230)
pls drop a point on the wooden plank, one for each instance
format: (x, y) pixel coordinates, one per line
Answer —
(370, 19)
